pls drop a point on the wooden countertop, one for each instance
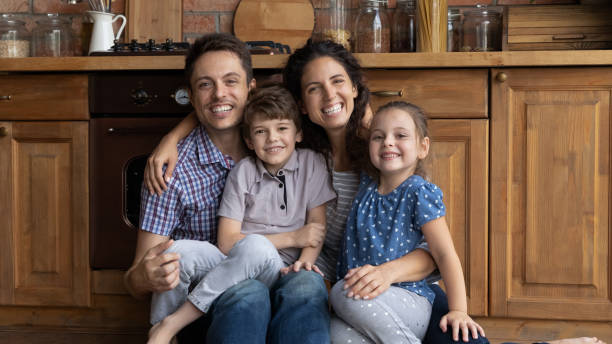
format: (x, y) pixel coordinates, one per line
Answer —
(396, 60)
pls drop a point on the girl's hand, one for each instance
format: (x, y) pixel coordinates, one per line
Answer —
(366, 282)
(298, 265)
(165, 153)
(459, 320)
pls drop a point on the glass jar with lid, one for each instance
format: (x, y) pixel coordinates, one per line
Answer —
(333, 23)
(52, 36)
(454, 34)
(403, 27)
(14, 37)
(372, 29)
(482, 30)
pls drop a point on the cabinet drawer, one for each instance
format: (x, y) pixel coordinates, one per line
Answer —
(453, 93)
(43, 97)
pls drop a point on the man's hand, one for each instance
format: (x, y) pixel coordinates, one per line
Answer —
(366, 282)
(310, 235)
(156, 271)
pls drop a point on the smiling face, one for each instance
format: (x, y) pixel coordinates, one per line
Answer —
(395, 145)
(273, 141)
(328, 95)
(219, 90)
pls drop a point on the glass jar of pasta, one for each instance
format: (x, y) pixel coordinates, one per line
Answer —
(333, 23)
(431, 25)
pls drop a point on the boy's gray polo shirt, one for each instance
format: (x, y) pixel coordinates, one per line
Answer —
(256, 198)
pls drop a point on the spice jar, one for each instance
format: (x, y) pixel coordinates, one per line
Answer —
(372, 32)
(14, 37)
(333, 23)
(454, 32)
(482, 30)
(403, 27)
(52, 36)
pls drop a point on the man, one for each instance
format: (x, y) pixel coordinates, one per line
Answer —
(220, 75)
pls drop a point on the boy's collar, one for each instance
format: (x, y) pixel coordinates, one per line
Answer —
(290, 166)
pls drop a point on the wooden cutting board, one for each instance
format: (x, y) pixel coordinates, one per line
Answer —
(156, 19)
(283, 21)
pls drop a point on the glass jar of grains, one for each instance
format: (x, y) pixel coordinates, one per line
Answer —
(14, 37)
(372, 29)
(333, 23)
(482, 30)
(403, 27)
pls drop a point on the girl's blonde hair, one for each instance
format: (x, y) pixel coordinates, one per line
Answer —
(420, 122)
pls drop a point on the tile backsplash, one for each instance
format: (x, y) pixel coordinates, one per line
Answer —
(201, 16)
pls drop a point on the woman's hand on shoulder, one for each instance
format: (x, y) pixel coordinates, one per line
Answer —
(459, 320)
(367, 282)
(299, 265)
(165, 153)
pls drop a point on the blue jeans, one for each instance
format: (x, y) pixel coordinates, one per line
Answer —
(294, 311)
(434, 334)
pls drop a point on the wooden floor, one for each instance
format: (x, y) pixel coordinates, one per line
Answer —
(23, 335)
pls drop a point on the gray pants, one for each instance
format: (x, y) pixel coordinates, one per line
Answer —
(395, 316)
(206, 272)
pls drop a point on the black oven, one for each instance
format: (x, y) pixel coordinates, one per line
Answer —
(130, 113)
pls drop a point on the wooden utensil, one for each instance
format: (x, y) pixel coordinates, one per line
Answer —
(283, 21)
(154, 19)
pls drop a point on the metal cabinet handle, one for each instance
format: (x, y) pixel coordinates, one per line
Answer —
(501, 77)
(9, 97)
(399, 93)
(3, 131)
(570, 36)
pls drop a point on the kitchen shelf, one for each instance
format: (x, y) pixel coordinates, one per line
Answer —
(392, 60)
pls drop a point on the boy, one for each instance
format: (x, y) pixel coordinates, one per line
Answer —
(280, 190)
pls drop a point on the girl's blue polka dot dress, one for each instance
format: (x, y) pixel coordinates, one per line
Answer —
(381, 228)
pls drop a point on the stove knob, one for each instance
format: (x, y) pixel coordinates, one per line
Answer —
(181, 96)
(140, 96)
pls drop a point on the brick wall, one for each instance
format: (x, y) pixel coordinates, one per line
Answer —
(200, 16)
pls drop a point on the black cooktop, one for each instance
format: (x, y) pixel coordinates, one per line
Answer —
(134, 48)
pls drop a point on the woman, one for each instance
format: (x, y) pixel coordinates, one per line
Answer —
(327, 82)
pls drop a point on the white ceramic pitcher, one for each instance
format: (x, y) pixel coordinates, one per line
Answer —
(102, 35)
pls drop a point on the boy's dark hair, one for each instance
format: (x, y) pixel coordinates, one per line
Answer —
(315, 136)
(420, 122)
(218, 42)
(270, 101)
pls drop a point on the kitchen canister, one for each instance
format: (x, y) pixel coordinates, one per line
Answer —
(403, 27)
(482, 29)
(52, 36)
(372, 29)
(334, 23)
(431, 25)
(14, 37)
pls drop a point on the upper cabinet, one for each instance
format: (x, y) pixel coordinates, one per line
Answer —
(550, 193)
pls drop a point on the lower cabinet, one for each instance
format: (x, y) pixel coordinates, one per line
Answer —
(550, 232)
(458, 164)
(44, 221)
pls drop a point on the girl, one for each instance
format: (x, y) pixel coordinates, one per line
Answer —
(392, 211)
(327, 82)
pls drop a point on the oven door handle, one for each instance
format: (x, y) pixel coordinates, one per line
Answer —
(138, 131)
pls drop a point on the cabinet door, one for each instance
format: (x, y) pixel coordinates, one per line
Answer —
(44, 214)
(458, 165)
(550, 193)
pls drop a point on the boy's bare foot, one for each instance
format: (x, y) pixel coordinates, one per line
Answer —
(161, 333)
(581, 340)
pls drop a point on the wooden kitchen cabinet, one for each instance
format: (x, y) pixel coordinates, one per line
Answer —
(44, 207)
(458, 164)
(458, 160)
(550, 249)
